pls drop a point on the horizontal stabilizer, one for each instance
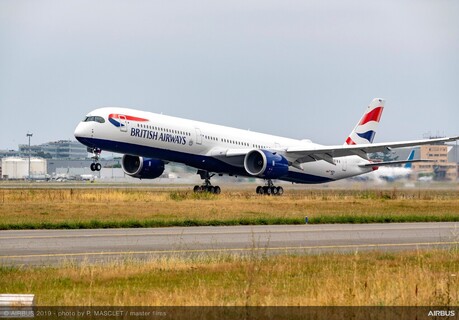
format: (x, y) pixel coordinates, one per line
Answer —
(391, 163)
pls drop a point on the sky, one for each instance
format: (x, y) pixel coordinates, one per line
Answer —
(299, 69)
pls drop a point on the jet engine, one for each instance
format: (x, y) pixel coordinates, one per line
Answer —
(265, 164)
(142, 168)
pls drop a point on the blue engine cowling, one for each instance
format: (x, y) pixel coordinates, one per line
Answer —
(265, 164)
(142, 168)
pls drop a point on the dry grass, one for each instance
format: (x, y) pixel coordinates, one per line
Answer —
(423, 278)
(76, 205)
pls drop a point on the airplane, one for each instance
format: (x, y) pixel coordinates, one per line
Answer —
(149, 141)
(87, 177)
(392, 173)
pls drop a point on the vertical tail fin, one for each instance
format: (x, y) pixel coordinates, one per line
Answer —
(408, 165)
(365, 130)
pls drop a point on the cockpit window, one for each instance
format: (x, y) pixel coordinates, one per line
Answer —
(94, 118)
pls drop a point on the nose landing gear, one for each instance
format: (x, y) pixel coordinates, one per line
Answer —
(207, 186)
(95, 166)
(270, 189)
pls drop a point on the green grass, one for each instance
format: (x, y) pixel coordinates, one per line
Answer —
(97, 224)
(138, 208)
(94, 224)
(419, 278)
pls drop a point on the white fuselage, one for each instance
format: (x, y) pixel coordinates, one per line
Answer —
(205, 146)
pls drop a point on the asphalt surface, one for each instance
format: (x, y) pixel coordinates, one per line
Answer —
(53, 247)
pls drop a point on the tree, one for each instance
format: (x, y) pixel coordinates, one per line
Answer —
(43, 155)
(383, 156)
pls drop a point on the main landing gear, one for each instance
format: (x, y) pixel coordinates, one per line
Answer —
(207, 186)
(270, 189)
(95, 166)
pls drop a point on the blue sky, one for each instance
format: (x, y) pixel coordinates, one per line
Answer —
(301, 69)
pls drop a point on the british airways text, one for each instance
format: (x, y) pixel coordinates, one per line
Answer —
(154, 135)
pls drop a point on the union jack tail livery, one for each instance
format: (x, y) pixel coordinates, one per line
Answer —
(365, 130)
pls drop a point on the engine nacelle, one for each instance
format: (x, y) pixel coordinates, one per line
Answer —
(265, 164)
(142, 168)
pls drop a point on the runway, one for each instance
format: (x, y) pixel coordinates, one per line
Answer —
(54, 247)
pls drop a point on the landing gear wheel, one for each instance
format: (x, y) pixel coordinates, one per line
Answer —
(270, 189)
(95, 166)
(207, 186)
(280, 191)
(209, 189)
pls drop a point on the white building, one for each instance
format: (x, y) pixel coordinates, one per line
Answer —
(18, 168)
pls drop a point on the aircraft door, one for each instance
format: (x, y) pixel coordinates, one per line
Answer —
(198, 136)
(344, 164)
(123, 123)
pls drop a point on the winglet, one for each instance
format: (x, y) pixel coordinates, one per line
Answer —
(365, 130)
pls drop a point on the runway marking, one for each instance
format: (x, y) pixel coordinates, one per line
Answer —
(229, 250)
(219, 232)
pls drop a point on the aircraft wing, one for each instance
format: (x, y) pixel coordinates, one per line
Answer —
(225, 152)
(233, 157)
(303, 154)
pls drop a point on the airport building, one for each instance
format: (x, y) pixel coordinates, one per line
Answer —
(9, 153)
(73, 167)
(62, 149)
(440, 168)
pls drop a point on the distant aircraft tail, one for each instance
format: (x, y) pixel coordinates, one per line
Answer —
(365, 130)
(408, 165)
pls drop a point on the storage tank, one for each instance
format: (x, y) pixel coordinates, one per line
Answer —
(38, 167)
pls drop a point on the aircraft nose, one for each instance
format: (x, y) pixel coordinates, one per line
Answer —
(83, 133)
(79, 131)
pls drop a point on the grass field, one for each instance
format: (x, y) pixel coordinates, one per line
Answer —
(422, 278)
(110, 207)
(419, 278)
